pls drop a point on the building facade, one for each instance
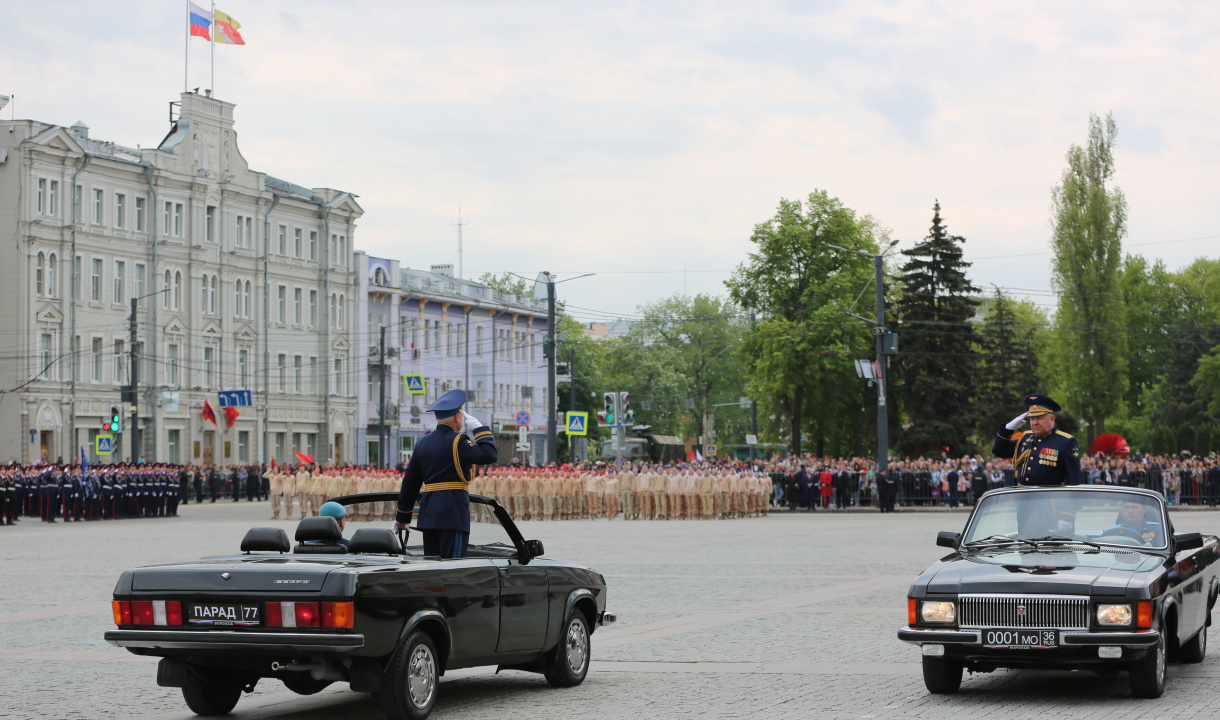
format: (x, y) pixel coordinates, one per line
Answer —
(241, 281)
(452, 333)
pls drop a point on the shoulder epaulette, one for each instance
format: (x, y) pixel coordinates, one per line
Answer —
(1060, 432)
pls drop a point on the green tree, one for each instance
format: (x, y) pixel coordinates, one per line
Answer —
(938, 366)
(801, 347)
(508, 283)
(1010, 360)
(1090, 220)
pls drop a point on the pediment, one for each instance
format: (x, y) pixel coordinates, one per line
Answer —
(57, 138)
(50, 314)
(341, 345)
(175, 327)
(212, 330)
(245, 332)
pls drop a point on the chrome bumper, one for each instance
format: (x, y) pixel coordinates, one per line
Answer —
(1144, 638)
(606, 617)
(231, 640)
(955, 637)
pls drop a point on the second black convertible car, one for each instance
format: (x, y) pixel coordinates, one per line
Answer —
(383, 618)
(1082, 577)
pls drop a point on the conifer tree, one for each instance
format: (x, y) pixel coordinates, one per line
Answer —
(1009, 364)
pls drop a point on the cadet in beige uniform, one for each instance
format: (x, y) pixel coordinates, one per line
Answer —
(273, 487)
(626, 490)
(707, 485)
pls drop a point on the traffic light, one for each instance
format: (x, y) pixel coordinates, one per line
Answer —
(624, 409)
(114, 422)
(605, 417)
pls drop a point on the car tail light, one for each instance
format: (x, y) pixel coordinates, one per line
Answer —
(338, 615)
(293, 614)
(147, 612)
(912, 616)
(1143, 615)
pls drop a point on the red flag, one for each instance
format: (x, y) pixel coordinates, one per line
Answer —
(207, 412)
(273, 463)
(230, 416)
(302, 457)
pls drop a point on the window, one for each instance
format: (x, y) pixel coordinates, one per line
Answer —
(342, 250)
(95, 281)
(413, 333)
(140, 282)
(237, 288)
(172, 443)
(212, 288)
(139, 214)
(296, 243)
(120, 280)
(281, 361)
(243, 360)
(313, 244)
(313, 308)
(296, 374)
(209, 223)
(334, 303)
(313, 376)
(40, 205)
(203, 294)
(173, 219)
(177, 219)
(341, 312)
(177, 289)
(449, 338)
(208, 367)
(98, 197)
(44, 354)
(76, 275)
(245, 300)
(337, 388)
(245, 231)
(296, 306)
(95, 360)
(281, 300)
(165, 295)
(243, 446)
(120, 210)
(39, 261)
(171, 364)
(53, 199)
(478, 341)
(532, 339)
(51, 286)
(283, 241)
(116, 361)
(436, 335)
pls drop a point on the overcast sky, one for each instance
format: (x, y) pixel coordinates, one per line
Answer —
(644, 140)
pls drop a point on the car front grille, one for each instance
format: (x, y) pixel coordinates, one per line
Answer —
(1023, 611)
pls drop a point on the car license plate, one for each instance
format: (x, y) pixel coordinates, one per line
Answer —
(1020, 639)
(221, 614)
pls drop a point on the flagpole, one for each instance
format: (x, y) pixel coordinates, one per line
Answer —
(186, 51)
(213, 80)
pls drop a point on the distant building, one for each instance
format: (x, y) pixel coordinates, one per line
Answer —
(608, 329)
(454, 333)
(253, 283)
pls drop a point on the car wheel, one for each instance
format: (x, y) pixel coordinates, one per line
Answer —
(409, 685)
(205, 698)
(1195, 649)
(569, 662)
(304, 684)
(1147, 674)
(941, 676)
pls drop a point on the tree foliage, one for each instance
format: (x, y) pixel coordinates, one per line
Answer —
(508, 283)
(1010, 349)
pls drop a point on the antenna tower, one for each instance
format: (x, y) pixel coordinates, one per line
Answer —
(459, 225)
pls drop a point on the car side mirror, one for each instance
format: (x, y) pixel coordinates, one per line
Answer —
(944, 538)
(534, 548)
(1187, 541)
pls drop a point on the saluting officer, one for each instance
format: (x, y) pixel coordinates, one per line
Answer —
(1045, 456)
(439, 474)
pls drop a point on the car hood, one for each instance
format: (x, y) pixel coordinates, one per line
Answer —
(1049, 571)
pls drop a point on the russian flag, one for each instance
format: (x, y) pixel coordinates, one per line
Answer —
(200, 22)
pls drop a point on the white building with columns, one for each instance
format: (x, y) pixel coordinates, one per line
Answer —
(254, 284)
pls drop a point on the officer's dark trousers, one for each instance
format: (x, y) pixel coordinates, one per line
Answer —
(1213, 493)
(445, 543)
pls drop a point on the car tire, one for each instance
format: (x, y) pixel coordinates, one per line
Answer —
(411, 679)
(1194, 649)
(1147, 674)
(569, 661)
(205, 698)
(304, 684)
(941, 676)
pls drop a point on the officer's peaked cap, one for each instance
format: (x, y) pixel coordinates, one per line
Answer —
(1038, 405)
(448, 405)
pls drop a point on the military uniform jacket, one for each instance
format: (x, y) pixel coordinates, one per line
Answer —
(1052, 460)
(439, 475)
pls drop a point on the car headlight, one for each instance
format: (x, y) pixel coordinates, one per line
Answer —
(938, 612)
(1114, 614)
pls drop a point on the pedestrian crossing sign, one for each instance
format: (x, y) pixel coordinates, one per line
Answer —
(710, 451)
(578, 423)
(415, 384)
(104, 445)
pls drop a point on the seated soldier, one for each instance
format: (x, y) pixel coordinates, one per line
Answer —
(339, 513)
(1132, 514)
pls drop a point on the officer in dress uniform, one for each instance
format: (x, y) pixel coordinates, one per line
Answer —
(1043, 457)
(439, 474)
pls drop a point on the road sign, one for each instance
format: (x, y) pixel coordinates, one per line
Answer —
(415, 384)
(234, 398)
(523, 447)
(578, 423)
(709, 451)
(523, 434)
(104, 445)
(523, 418)
(751, 439)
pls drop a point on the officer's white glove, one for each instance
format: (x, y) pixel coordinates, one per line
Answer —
(1065, 528)
(1017, 422)
(395, 527)
(469, 422)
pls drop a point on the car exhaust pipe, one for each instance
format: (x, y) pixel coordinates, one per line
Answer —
(318, 670)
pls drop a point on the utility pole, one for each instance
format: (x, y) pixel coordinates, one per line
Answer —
(753, 416)
(879, 334)
(135, 388)
(551, 429)
(572, 440)
(381, 441)
(459, 225)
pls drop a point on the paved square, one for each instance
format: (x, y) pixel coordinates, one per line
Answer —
(790, 616)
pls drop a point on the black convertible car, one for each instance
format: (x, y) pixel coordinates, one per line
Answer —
(1081, 577)
(381, 617)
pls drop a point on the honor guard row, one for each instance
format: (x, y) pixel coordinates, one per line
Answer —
(77, 493)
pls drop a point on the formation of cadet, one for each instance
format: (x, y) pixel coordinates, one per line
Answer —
(76, 493)
(630, 492)
(307, 487)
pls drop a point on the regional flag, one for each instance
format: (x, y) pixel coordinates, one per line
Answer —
(226, 30)
(200, 22)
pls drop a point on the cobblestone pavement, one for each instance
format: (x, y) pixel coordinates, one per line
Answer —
(778, 617)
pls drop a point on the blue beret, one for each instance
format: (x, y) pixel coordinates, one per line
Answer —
(332, 509)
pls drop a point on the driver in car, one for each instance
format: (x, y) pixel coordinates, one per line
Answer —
(1132, 515)
(339, 513)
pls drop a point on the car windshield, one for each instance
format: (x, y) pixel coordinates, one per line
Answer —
(1107, 518)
